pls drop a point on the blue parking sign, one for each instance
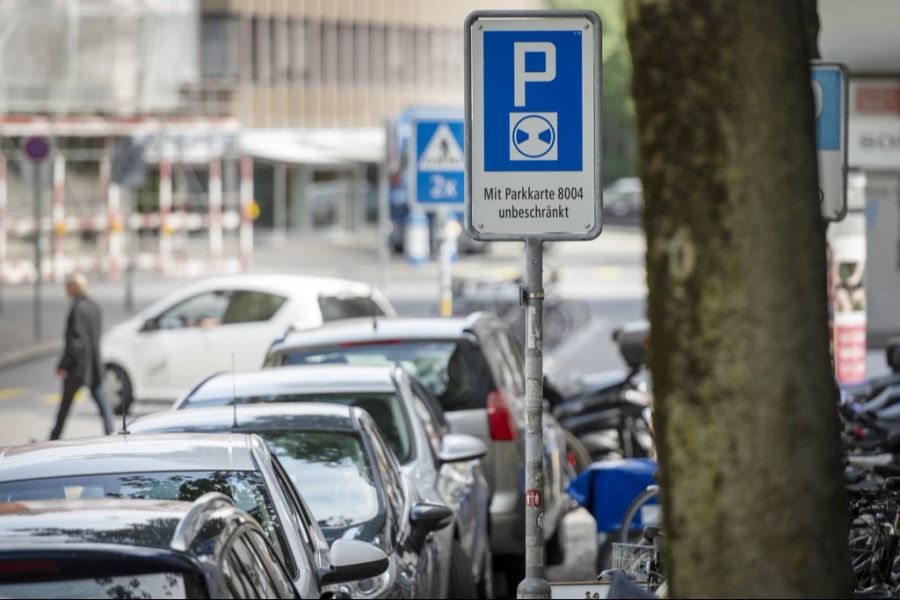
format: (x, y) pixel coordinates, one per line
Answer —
(829, 83)
(439, 161)
(532, 101)
(533, 125)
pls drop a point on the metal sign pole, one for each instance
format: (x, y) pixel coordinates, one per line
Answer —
(38, 250)
(128, 194)
(445, 249)
(534, 585)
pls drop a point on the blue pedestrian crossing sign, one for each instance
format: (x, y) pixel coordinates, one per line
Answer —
(829, 82)
(437, 161)
(533, 110)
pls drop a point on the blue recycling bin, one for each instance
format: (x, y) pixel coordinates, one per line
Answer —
(606, 489)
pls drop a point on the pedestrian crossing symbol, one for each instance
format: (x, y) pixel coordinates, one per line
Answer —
(443, 152)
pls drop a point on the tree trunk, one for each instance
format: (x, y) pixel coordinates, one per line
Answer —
(748, 434)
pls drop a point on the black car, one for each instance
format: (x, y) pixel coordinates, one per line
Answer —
(137, 549)
(183, 467)
(337, 459)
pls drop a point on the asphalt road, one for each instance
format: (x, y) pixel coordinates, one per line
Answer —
(603, 277)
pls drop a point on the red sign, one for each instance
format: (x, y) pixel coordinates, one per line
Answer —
(878, 99)
(850, 353)
(533, 499)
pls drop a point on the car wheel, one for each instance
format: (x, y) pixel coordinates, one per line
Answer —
(462, 584)
(486, 584)
(118, 388)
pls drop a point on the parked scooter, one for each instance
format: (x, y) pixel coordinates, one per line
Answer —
(609, 413)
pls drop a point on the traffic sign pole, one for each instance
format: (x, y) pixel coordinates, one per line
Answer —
(532, 135)
(37, 150)
(534, 585)
(445, 249)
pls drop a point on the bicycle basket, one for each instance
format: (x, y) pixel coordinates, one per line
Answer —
(634, 559)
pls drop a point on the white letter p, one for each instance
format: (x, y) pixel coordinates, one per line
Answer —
(521, 76)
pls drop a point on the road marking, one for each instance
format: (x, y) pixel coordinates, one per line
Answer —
(607, 273)
(56, 397)
(10, 393)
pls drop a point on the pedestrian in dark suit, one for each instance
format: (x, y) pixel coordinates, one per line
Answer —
(80, 364)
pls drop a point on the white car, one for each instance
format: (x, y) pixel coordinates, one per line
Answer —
(162, 351)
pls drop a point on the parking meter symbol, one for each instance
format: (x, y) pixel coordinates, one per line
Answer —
(533, 136)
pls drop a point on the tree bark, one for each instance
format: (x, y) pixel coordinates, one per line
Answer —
(745, 413)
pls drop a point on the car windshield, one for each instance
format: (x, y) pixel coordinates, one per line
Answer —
(246, 488)
(145, 585)
(385, 408)
(448, 368)
(332, 472)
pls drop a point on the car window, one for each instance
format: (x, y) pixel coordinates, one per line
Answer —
(253, 566)
(434, 426)
(454, 371)
(252, 307)
(332, 471)
(391, 479)
(335, 308)
(497, 352)
(246, 488)
(142, 585)
(269, 560)
(386, 408)
(206, 309)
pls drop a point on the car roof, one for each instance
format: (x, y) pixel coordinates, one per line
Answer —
(302, 379)
(128, 454)
(362, 330)
(106, 521)
(252, 417)
(289, 284)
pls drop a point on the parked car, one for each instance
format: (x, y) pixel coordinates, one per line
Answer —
(360, 492)
(162, 351)
(441, 466)
(184, 467)
(475, 367)
(624, 197)
(137, 549)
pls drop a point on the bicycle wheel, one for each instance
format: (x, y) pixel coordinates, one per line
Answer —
(651, 493)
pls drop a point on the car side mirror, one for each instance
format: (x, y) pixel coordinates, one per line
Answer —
(151, 324)
(892, 354)
(425, 518)
(352, 560)
(459, 447)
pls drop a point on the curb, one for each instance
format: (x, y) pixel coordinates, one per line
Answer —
(29, 353)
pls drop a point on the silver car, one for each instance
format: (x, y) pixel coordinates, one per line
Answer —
(184, 467)
(442, 465)
(475, 367)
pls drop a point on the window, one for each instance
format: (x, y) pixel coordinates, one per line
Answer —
(346, 56)
(422, 56)
(246, 488)
(252, 307)
(280, 50)
(332, 471)
(335, 308)
(297, 49)
(279, 579)
(144, 585)
(377, 55)
(435, 427)
(218, 50)
(454, 371)
(391, 479)
(394, 60)
(197, 311)
(329, 52)
(313, 54)
(386, 408)
(262, 50)
(361, 49)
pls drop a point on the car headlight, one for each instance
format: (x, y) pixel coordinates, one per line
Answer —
(373, 587)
